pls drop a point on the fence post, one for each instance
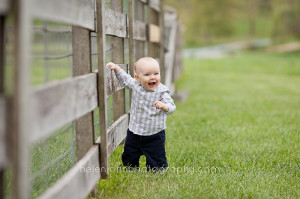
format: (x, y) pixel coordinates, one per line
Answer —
(2, 65)
(131, 41)
(82, 65)
(171, 21)
(20, 114)
(178, 54)
(155, 47)
(139, 15)
(100, 4)
(2, 49)
(162, 41)
(118, 57)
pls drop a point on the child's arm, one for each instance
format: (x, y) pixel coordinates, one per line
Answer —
(166, 104)
(124, 79)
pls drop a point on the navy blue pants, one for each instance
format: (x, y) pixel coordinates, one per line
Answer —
(153, 147)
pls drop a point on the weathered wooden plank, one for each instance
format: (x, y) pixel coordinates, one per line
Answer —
(116, 133)
(131, 41)
(84, 126)
(74, 12)
(4, 6)
(139, 30)
(118, 57)
(2, 53)
(115, 23)
(170, 21)
(178, 54)
(19, 127)
(154, 33)
(3, 108)
(155, 4)
(162, 44)
(58, 103)
(3, 156)
(78, 182)
(140, 16)
(139, 10)
(101, 40)
(112, 83)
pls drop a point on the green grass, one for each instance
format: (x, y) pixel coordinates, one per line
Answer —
(237, 136)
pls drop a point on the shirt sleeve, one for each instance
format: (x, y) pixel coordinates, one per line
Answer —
(125, 79)
(166, 98)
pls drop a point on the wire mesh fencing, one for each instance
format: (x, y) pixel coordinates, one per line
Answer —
(51, 61)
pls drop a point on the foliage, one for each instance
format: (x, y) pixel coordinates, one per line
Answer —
(286, 20)
(205, 19)
(215, 21)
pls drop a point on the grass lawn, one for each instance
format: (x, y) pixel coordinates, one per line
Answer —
(237, 136)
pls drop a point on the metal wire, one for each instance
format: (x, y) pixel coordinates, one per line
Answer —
(52, 52)
(41, 172)
(43, 141)
(52, 60)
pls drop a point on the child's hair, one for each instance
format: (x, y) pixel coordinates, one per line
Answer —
(148, 59)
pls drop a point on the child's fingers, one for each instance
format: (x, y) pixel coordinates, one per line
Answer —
(110, 64)
(155, 103)
(158, 104)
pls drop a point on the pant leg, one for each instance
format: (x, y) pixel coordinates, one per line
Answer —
(132, 152)
(153, 147)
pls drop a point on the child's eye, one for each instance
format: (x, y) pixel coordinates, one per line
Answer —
(146, 74)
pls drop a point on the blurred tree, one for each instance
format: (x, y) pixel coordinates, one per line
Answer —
(252, 13)
(211, 21)
(264, 7)
(286, 22)
(205, 19)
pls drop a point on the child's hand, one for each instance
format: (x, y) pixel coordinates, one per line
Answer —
(161, 105)
(113, 66)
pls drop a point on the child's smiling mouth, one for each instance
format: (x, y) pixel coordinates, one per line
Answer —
(151, 83)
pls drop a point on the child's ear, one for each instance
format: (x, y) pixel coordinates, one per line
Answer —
(136, 77)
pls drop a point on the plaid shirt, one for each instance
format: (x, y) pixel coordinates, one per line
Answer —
(145, 119)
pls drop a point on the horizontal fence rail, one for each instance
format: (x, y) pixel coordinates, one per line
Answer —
(4, 6)
(154, 32)
(100, 31)
(74, 12)
(116, 133)
(79, 181)
(155, 4)
(115, 23)
(112, 83)
(139, 30)
(58, 103)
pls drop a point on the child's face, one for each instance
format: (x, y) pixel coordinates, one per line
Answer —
(148, 74)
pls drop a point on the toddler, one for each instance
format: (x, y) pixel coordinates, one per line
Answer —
(150, 104)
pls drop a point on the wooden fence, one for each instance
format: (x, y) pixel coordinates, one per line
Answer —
(30, 114)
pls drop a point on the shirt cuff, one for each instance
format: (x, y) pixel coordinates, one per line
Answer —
(121, 72)
(171, 109)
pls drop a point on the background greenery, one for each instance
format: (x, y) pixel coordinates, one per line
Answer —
(208, 22)
(237, 136)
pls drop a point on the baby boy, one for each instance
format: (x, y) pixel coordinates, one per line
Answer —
(151, 102)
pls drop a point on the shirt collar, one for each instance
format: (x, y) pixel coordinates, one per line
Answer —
(161, 88)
